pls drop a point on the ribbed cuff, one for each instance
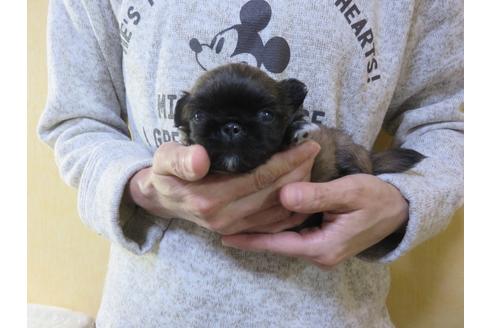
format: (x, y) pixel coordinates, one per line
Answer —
(101, 189)
(424, 220)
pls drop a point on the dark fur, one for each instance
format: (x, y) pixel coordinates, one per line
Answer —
(230, 98)
(236, 94)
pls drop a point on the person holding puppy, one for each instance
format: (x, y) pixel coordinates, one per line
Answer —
(189, 248)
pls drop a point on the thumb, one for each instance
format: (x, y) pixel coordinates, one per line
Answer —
(310, 197)
(189, 163)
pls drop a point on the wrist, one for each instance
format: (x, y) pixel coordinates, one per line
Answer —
(137, 190)
(402, 210)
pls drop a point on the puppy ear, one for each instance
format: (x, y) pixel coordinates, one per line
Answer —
(178, 110)
(294, 91)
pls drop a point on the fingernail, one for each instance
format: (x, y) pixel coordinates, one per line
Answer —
(188, 165)
(313, 148)
(293, 197)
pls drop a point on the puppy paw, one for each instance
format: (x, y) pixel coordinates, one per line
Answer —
(302, 131)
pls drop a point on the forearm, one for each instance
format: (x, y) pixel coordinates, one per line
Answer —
(426, 115)
(83, 120)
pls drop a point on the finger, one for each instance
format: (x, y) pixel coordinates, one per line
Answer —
(234, 187)
(189, 163)
(271, 215)
(287, 243)
(266, 198)
(290, 222)
(279, 165)
(218, 195)
(307, 197)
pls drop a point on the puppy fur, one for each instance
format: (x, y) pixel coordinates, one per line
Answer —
(242, 117)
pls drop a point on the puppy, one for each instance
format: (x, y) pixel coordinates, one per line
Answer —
(242, 117)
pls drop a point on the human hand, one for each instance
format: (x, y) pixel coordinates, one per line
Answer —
(177, 186)
(358, 211)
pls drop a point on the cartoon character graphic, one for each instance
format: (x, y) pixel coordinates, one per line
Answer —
(243, 43)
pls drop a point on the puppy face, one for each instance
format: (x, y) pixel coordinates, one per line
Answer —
(239, 114)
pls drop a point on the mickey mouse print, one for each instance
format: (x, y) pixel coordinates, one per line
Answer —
(242, 42)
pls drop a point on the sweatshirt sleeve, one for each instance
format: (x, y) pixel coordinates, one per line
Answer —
(84, 121)
(426, 114)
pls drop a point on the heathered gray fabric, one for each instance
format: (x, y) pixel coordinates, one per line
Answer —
(117, 67)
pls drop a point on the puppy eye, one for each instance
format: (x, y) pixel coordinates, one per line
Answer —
(199, 117)
(265, 116)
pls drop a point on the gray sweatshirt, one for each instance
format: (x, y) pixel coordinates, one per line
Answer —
(116, 69)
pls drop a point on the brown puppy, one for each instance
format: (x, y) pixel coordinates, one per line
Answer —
(242, 117)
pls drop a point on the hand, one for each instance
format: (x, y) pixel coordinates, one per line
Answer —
(359, 211)
(177, 186)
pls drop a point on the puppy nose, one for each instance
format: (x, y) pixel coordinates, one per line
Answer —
(232, 130)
